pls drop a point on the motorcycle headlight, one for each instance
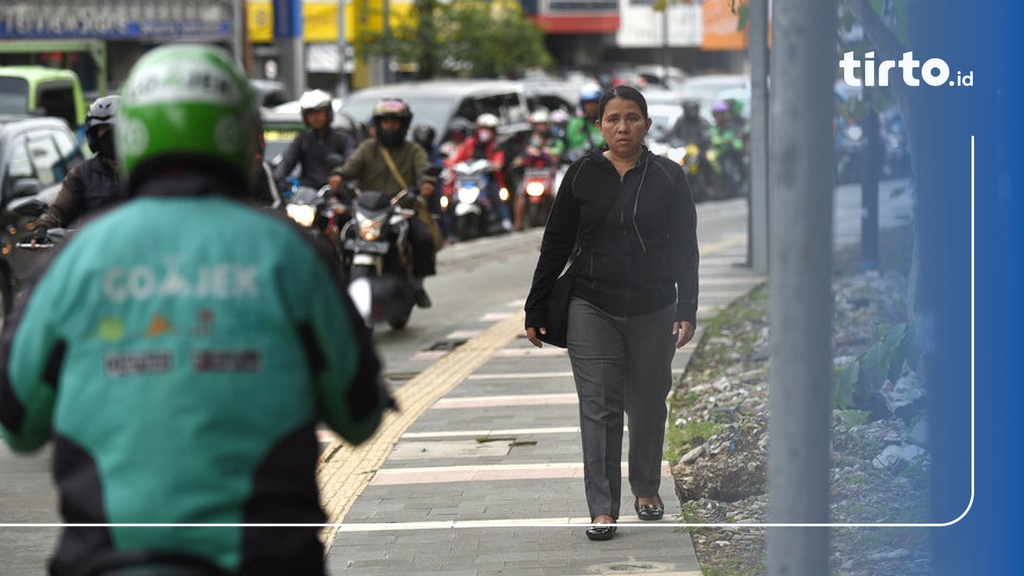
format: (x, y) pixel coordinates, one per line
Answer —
(712, 155)
(854, 132)
(303, 214)
(535, 189)
(468, 195)
(369, 228)
(503, 194)
(444, 202)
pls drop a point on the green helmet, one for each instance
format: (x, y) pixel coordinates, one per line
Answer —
(191, 103)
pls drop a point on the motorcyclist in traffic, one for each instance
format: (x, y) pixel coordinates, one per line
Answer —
(542, 150)
(181, 349)
(691, 127)
(727, 145)
(314, 149)
(483, 143)
(430, 189)
(92, 185)
(582, 133)
(389, 163)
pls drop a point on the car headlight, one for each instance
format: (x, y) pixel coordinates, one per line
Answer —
(303, 214)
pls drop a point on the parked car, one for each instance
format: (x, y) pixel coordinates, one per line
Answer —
(35, 155)
(436, 102)
(43, 91)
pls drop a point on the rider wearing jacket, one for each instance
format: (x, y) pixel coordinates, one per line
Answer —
(93, 184)
(582, 133)
(484, 144)
(314, 147)
(368, 165)
(180, 350)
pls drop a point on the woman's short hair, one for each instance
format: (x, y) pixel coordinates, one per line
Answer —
(626, 93)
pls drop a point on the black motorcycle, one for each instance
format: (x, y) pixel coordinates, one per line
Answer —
(379, 254)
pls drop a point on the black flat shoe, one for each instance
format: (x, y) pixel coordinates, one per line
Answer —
(649, 512)
(601, 532)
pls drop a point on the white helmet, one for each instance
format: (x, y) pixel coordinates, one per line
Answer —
(314, 100)
(487, 120)
(540, 116)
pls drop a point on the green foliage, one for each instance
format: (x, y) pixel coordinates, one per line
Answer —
(463, 37)
(895, 346)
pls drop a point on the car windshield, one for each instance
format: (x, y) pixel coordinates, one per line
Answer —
(13, 96)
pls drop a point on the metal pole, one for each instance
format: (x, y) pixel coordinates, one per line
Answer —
(665, 60)
(342, 87)
(757, 244)
(238, 31)
(803, 67)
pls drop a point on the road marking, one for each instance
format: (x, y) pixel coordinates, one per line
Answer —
(482, 473)
(509, 400)
(504, 523)
(345, 470)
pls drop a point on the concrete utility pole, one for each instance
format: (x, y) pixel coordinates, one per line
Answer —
(800, 215)
(290, 44)
(757, 245)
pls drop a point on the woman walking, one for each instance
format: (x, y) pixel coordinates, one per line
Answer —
(630, 215)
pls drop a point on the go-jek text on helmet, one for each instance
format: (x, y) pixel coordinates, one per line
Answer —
(101, 113)
(187, 105)
(312, 100)
(392, 108)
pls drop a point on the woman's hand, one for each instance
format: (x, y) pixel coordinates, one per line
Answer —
(531, 335)
(683, 331)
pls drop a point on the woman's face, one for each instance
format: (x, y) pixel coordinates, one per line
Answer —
(623, 126)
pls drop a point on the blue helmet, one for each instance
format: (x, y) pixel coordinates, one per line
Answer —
(590, 93)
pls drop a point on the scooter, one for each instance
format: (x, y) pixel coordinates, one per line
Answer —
(474, 215)
(537, 190)
(376, 244)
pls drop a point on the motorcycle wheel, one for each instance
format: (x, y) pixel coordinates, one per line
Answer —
(536, 214)
(467, 227)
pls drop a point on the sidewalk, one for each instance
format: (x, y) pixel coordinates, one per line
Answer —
(481, 474)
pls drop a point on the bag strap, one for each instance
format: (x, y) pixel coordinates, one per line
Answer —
(394, 169)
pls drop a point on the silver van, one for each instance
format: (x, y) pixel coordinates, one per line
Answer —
(436, 102)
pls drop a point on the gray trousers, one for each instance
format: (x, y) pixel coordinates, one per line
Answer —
(620, 365)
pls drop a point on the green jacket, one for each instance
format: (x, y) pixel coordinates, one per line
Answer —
(582, 135)
(179, 351)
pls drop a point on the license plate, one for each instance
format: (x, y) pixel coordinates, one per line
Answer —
(375, 247)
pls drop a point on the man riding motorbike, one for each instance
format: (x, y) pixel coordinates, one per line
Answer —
(180, 350)
(484, 144)
(691, 127)
(389, 163)
(93, 184)
(315, 148)
(542, 151)
(582, 133)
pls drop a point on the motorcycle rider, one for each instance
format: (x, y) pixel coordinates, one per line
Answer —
(582, 133)
(369, 165)
(727, 144)
(181, 348)
(484, 144)
(93, 184)
(691, 127)
(542, 150)
(312, 147)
